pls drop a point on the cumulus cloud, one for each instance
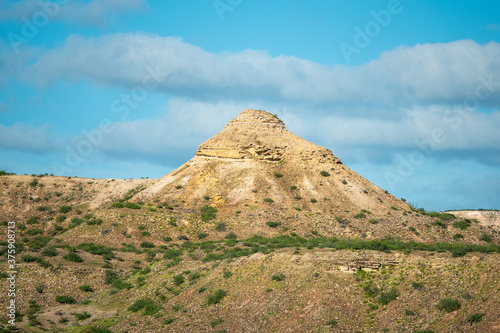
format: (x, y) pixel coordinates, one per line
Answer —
(427, 73)
(93, 13)
(25, 137)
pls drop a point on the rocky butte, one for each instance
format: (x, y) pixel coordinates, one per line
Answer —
(261, 231)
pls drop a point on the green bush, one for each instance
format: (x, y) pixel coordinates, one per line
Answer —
(475, 318)
(110, 276)
(439, 223)
(149, 306)
(273, 224)
(324, 173)
(360, 216)
(49, 252)
(208, 213)
(462, 224)
(61, 218)
(458, 236)
(132, 205)
(216, 297)
(120, 284)
(373, 221)
(293, 187)
(86, 288)
(38, 242)
(33, 220)
(97, 249)
(220, 226)
(202, 235)
(448, 305)
(458, 252)
(147, 245)
(64, 209)
(72, 256)
(386, 297)
(118, 205)
(279, 277)
(231, 235)
(216, 322)
(178, 279)
(34, 232)
(331, 323)
(64, 299)
(313, 200)
(268, 200)
(82, 315)
(485, 237)
(278, 175)
(227, 274)
(29, 258)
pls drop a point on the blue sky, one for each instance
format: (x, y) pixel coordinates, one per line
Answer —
(406, 93)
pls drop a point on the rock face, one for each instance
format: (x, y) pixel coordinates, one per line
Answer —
(255, 159)
(259, 135)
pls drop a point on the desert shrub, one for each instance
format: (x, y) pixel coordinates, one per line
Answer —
(388, 296)
(216, 296)
(94, 221)
(279, 277)
(439, 223)
(43, 209)
(64, 299)
(64, 209)
(33, 183)
(193, 276)
(118, 205)
(178, 186)
(169, 321)
(231, 235)
(278, 175)
(206, 197)
(273, 224)
(82, 315)
(293, 187)
(458, 236)
(121, 284)
(147, 245)
(33, 220)
(462, 224)
(149, 306)
(373, 221)
(458, 252)
(208, 213)
(178, 279)
(182, 237)
(360, 216)
(417, 285)
(75, 221)
(86, 288)
(167, 239)
(448, 305)
(331, 323)
(324, 173)
(227, 274)
(110, 276)
(95, 329)
(216, 322)
(61, 218)
(313, 200)
(38, 242)
(268, 200)
(475, 318)
(132, 205)
(34, 232)
(485, 237)
(202, 235)
(344, 182)
(172, 254)
(220, 226)
(29, 258)
(72, 256)
(49, 252)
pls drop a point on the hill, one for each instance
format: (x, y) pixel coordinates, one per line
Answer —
(261, 231)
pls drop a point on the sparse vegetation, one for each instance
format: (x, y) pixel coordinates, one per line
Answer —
(475, 318)
(324, 173)
(216, 296)
(208, 213)
(64, 299)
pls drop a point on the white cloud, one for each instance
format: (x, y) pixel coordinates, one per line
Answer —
(25, 137)
(428, 73)
(93, 13)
